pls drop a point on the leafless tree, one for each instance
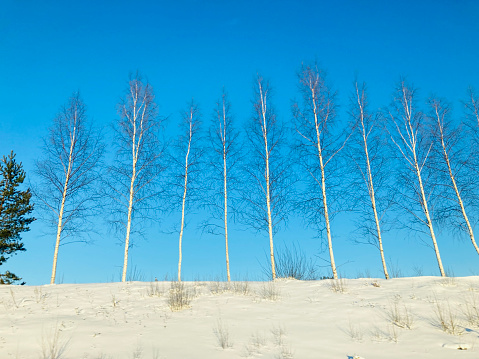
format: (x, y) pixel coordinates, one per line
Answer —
(408, 132)
(452, 159)
(267, 168)
(319, 142)
(186, 166)
(68, 173)
(472, 125)
(472, 107)
(132, 182)
(366, 150)
(225, 155)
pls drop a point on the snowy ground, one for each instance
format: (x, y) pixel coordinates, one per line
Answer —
(422, 317)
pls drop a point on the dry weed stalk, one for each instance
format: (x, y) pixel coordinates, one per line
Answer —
(222, 334)
(269, 291)
(338, 285)
(53, 344)
(471, 310)
(447, 319)
(397, 316)
(179, 297)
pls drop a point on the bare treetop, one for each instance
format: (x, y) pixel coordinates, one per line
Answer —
(68, 172)
(133, 179)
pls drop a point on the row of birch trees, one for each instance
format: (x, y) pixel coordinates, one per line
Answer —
(399, 165)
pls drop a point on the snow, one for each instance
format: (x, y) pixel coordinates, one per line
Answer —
(349, 318)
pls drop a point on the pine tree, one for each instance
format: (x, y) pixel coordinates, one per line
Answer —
(14, 207)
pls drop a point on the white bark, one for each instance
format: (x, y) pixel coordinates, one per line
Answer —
(185, 186)
(223, 140)
(445, 153)
(62, 205)
(312, 88)
(137, 120)
(264, 130)
(370, 182)
(410, 143)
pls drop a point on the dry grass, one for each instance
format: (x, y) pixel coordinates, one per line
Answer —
(242, 288)
(390, 334)
(355, 332)
(155, 290)
(179, 296)
(269, 291)
(471, 310)
(338, 285)
(222, 334)
(398, 314)
(53, 344)
(256, 343)
(278, 334)
(218, 287)
(446, 319)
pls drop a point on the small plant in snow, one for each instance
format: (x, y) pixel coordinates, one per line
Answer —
(222, 335)
(292, 263)
(278, 335)
(218, 287)
(12, 294)
(154, 290)
(39, 296)
(179, 297)
(137, 353)
(338, 285)
(241, 288)
(355, 332)
(471, 310)
(115, 302)
(53, 344)
(255, 344)
(399, 315)
(285, 353)
(390, 334)
(269, 291)
(446, 319)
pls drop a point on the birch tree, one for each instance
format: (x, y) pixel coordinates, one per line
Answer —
(225, 154)
(318, 145)
(451, 166)
(267, 168)
(472, 108)
(187, 156)
(133, 178)
(68, 174)
(407, 132)
(366, 150)
(472, 124)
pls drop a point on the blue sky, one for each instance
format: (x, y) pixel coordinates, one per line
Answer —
(191, 49)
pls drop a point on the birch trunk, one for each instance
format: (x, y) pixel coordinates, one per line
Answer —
(225, 194)
(62, 207)
(412, 135)
(128, 225)
(134, 154)
(183, 202)
(323, 182)
(453, 181)
(267, 178)
(370, 184)
(428, 218)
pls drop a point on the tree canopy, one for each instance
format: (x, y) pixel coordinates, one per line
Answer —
(15, 207)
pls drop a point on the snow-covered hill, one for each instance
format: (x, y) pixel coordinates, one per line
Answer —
(421, 317)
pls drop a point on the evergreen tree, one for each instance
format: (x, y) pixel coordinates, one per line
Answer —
(14, 207)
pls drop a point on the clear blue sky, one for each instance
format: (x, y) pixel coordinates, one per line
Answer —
(49, 49)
